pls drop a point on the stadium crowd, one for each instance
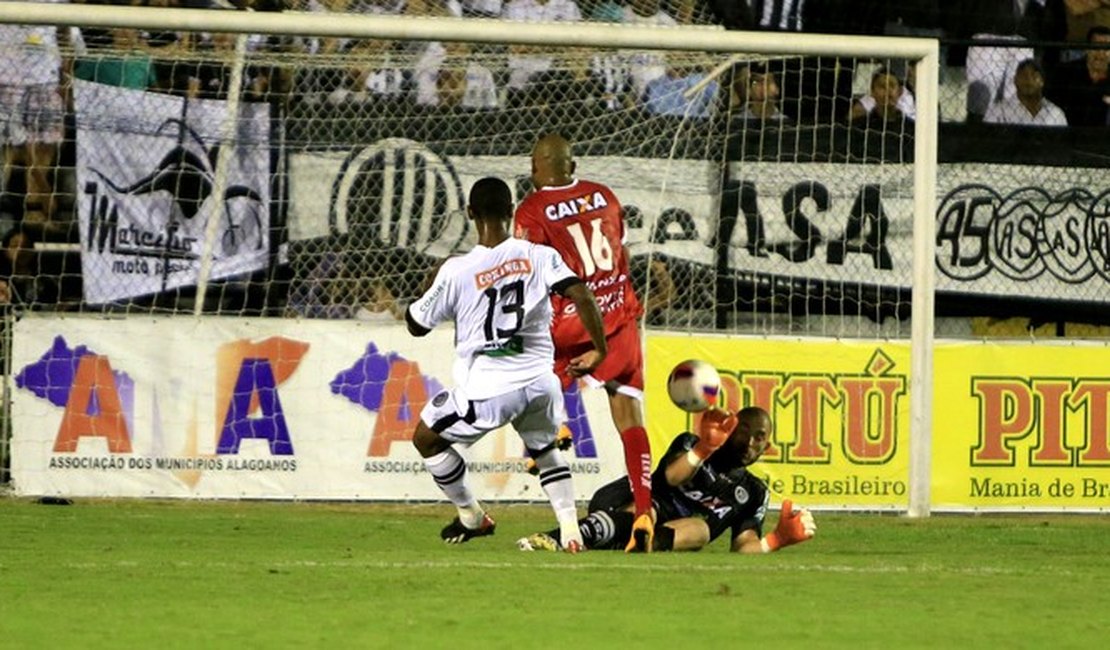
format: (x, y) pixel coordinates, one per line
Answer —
(1027, 62)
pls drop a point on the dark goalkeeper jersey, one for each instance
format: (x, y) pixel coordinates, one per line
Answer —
(726, 497)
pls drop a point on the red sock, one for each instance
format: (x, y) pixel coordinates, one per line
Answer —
(637, 459)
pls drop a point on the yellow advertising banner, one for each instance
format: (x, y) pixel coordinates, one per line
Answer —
(840, 410)
(1021, 426)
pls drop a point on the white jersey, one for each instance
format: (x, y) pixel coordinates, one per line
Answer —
(1012, 111)
(499, 299)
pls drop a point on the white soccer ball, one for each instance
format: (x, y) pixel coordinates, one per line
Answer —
(694, 385)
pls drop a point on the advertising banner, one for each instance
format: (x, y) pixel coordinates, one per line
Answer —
(840, 411)
(1030, 232)
(1021, 426)
(146, 166)
(234, 408)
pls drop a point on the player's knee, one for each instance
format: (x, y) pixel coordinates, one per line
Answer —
(428, 442)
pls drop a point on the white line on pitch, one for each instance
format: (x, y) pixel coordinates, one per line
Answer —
(746, 568)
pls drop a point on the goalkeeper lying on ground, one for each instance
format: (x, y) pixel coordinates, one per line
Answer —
(700, 489)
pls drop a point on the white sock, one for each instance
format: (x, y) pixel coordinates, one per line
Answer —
(449, 471)
(555, 479)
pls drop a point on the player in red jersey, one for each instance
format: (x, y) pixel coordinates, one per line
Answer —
(582, 220)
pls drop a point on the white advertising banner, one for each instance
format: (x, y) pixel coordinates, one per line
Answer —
(233, 408)
(146, 168)
(1021, 231)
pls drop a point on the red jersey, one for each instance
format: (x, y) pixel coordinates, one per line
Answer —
(583, 222)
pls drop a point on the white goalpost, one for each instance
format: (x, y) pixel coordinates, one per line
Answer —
(344, 164)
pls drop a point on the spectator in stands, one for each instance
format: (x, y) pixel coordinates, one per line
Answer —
(116, 57)
(1082, 87)
(645, 67)
(336, 287)
(991, 67)
(32, 114)
(733, 14)
(209, 79)
(602, 11)
(778, 15)
(886, 93)
(379, 77)
(681, 92)
(816, 90)
(446, 76)
(482, 8)
(864, 104)
(756, 93)
(19, 283)
(527, 62)
(1029, 107)
(1082, 15)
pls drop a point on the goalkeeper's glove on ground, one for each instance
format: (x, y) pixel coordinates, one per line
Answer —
(794, 527)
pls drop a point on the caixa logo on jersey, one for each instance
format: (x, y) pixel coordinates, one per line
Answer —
(398, 193)
(1024, 234)
(160, 209)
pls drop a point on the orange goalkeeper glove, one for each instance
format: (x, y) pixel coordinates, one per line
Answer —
(715, 427)
(794, 527)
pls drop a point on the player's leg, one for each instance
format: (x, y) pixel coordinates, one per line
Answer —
(624, 381)
(607, 526)
(538, 424)
(609, 523)
(444, 421)
(686, 534)
(621, 374)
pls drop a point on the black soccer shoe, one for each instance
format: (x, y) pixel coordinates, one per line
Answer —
(456, 533)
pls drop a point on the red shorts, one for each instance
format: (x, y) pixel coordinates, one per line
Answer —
(624, 365)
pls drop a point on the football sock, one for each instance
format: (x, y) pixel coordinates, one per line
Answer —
(637, 460)
(556, 482)
(604, 529)
(449, 471)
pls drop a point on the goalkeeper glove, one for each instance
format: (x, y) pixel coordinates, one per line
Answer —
(714, 429)
(794, 527)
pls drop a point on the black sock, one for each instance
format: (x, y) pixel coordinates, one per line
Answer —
(606, 529)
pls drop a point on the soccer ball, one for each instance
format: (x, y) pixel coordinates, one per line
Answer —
(694, 385)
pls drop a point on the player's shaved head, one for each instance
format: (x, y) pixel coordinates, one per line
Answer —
(552, 161)
(753, 416)
(753, 434)
(490, 199)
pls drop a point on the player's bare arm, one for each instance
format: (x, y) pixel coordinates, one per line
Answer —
(746, 542)
(590, 315)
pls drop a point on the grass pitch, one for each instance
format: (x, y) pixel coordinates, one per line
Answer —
(178, 574)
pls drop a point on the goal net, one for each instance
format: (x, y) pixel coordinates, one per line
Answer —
(307, 166)
(753, 179)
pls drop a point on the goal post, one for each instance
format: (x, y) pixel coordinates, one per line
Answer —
(707, 47)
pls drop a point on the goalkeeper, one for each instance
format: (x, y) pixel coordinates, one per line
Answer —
(700, 490)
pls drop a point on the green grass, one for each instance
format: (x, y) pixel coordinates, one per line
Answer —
(130, 574)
